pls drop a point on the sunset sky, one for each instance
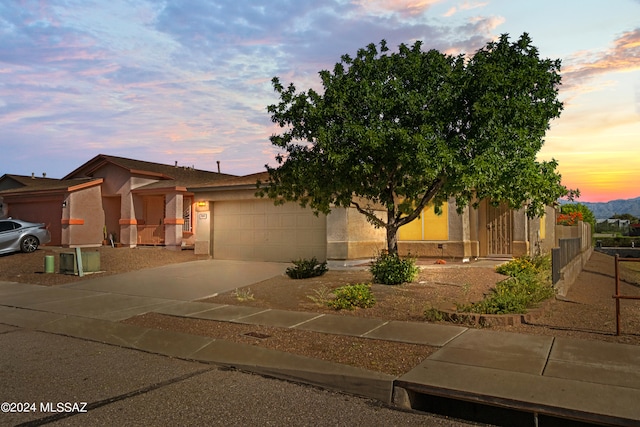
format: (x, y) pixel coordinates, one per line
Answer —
(189, 81)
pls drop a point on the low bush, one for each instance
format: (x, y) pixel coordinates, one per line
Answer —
(392, 270)
(528, 284)
(305, 268)
(321, 296)
(351, 296)
(618, 242)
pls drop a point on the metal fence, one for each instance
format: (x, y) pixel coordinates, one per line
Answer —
(568, 249)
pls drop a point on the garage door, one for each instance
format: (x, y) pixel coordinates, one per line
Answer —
(48, 212)
(258, 230)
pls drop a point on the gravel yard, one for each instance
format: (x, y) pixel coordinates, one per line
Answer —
(587, 312)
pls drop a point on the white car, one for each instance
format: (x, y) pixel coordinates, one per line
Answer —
(17, 235)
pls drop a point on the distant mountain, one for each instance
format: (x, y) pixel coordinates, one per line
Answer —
(602, 210)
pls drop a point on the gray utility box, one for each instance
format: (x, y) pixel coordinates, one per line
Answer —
(90, 262)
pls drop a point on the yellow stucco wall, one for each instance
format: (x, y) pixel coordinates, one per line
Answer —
(428, 226)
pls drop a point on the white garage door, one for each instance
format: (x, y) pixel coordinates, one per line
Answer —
(258, 230)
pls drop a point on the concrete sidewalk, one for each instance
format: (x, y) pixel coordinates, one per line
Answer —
(531, 380)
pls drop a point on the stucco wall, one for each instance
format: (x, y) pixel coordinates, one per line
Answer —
(173, 220)
(350, 236)
(119, 182)
(461, 243)
(83, 218)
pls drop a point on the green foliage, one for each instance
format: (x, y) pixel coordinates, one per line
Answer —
(403, 129)
(432, 314)
(305, 268)
(587, 215)
(351, 296)
(619, 242)
(321, 296)
(243, 294)
(390, 269)
(528, 284)
(632, 219)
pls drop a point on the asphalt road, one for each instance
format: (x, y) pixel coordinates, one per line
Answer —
(67, 381)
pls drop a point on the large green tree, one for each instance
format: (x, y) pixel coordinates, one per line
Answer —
(401, 130)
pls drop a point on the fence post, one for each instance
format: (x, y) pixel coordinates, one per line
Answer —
(556, 265)
(617, 296)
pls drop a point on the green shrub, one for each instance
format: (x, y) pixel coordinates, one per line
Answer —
(529, 283)
(432, 314)
(352, 296)
(392, 270)
(305, 268)
(525, 265)
(321, 296)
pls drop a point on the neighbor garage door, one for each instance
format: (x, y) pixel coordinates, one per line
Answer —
(258, 230)
(47, 211)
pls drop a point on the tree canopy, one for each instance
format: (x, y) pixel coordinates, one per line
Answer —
(399, 130)
(586, 213)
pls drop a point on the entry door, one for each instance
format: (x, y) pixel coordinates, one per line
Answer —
(499, 226)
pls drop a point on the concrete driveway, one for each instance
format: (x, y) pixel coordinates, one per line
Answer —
(186, 281)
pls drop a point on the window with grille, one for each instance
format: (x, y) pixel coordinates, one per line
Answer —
(186, 214)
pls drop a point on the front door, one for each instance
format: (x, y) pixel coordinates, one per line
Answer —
(152, 232)
(499, 226)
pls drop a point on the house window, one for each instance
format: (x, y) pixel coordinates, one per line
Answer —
(186, 215)
(428, 226)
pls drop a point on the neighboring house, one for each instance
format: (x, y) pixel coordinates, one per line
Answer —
(38, 199)
(145, 203)
(134, 202)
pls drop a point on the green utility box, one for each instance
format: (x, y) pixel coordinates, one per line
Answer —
(90, 262)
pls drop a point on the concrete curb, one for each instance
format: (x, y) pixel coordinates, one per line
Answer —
(228, 354)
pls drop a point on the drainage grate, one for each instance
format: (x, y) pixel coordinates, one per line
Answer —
(258, 335)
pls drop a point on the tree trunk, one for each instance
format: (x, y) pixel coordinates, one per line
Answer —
(392, 239)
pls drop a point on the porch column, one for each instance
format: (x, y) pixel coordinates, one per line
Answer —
(460, 233)
(173, 221)
(520, 243)
(128, 222)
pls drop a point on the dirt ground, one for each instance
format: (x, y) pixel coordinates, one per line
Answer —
(587, 312)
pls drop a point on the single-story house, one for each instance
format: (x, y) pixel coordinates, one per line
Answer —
(135, 203)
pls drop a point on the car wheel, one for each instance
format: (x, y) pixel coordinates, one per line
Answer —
(29, 244)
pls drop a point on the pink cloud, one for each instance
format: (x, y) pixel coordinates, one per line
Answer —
(623, 56)
(465, 6)
(403, 7)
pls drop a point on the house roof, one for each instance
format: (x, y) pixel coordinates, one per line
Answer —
(28, 184)
(237, 181)
(167, 175)
(9, 181)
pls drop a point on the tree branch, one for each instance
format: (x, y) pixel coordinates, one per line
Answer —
(426, 198)
(370, 216)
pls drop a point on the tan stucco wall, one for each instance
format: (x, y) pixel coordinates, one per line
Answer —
(83, 218)
(350, 236)
(520, 236)
(541, 242)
